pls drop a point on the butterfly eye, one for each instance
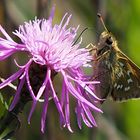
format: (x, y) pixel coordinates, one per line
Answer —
(109, 40)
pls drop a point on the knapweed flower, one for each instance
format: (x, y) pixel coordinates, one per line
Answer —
(53, 48)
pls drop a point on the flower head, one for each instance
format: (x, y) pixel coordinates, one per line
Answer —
(52, 50)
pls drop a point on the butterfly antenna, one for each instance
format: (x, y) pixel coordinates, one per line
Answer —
(79, 36)
(102, 21)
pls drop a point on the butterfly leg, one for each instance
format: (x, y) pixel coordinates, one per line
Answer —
(91, 47)
(99, 57)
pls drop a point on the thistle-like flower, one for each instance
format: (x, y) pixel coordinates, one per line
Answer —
(52, 50)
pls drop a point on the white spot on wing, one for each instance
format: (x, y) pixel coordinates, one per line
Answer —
(108, 64)
(126, 88)
(121, 64)
(129, 81)
(128, 72)
(115, 85)
(119, 87)
(120, 74)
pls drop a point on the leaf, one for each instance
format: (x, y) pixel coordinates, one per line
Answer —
(1, 98)
(5, 103)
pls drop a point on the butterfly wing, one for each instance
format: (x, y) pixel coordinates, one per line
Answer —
(103, 74)
(126, 77)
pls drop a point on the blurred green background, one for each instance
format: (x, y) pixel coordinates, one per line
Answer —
(120, 121)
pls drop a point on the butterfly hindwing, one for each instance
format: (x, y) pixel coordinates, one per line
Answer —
(126, 79)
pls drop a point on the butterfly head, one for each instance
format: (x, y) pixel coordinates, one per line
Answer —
(106, 38)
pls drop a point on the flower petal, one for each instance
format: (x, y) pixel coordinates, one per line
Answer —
(89, 115)
(56, 100)
(67, 112)
(28, 81)
(45, 108)
(74, 92)
(42, 88)
(17, 95)
(11, 78)
(5, 34)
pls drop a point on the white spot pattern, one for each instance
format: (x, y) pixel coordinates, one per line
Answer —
(121, 64)
(126, 88)
(129, 81)
(115, 85)
(108, 64)
(119, 87)
(120, 74)
(128, 72)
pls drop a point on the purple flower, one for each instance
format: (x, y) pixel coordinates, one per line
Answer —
(52, 47)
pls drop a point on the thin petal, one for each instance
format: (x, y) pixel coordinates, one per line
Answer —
(10, 85)
(28, 82)
(57, 102)
(60, 25)
(40, 92)
(5, 34)
(85, 119)
(32, 110)
(11, 78)
(45, 108)
(67, 22)
(5, 53)
(17, 95)
(74, 92)
(63, 94)
(89, 114)
(42, 88)
(78, 113)
(67, 112)
(52, 13)
(84, 86)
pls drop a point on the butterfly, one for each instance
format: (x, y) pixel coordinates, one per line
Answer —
(119, 76)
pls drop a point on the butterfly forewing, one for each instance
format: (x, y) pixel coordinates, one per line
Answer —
(126, 75)
(102, 74)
